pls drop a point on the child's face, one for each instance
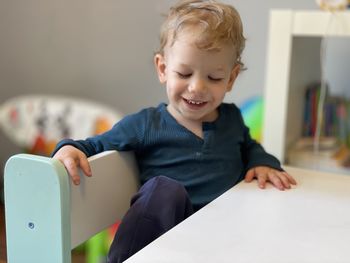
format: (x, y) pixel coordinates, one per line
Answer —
(196, 80)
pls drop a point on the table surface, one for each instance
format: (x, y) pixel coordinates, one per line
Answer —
(309, 223)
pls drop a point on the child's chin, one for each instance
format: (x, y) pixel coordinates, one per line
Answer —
(194, 116)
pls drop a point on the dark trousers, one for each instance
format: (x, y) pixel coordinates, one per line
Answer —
(160, 204)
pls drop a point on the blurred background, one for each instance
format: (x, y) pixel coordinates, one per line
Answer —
(103, 51)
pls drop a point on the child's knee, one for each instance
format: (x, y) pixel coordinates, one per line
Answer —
(162, 196)
(169, 190)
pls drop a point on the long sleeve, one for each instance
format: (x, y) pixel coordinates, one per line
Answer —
(253, 154)
(126, 135)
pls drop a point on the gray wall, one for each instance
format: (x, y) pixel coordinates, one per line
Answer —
(102, 50)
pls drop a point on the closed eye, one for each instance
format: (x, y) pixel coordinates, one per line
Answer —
(215, 79)
(183, 76)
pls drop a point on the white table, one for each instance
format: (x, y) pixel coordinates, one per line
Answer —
(309, 223)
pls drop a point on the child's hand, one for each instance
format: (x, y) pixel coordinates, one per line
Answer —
(72, 158)
(281, 180)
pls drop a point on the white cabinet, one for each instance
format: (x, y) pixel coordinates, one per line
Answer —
(293, 62)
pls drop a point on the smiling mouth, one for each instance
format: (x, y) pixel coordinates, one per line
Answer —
(195, 103)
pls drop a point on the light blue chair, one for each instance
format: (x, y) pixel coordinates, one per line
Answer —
(46, 215)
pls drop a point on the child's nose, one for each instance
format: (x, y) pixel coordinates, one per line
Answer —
(197, 85)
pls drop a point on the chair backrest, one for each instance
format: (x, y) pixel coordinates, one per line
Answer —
(46, 215)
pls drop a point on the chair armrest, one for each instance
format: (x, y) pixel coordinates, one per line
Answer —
(46, 215)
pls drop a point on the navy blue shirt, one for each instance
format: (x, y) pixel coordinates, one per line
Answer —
(206, 167)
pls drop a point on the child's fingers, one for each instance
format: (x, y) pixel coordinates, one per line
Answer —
(249, 176)
(290, 178)
(262, 180)
(84, 165)
(281, 180)
(72, 169)
(278, 181)
(285, 180)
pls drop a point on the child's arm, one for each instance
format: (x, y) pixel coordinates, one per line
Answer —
(260, 164)
(72, 159)
(126, 135)
(280, 179)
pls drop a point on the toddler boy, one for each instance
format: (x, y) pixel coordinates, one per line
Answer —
(195, 147)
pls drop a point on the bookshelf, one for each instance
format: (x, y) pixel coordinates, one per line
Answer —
(293, 62)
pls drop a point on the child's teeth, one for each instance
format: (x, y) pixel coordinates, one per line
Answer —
(194, 102)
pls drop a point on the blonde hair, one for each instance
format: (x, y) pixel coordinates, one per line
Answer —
(216, 24)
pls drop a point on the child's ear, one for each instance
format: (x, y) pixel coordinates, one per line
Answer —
(159, 62)
(234, 73)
